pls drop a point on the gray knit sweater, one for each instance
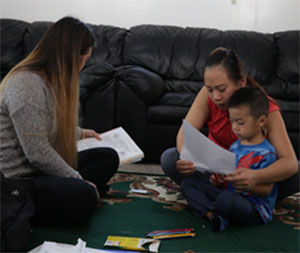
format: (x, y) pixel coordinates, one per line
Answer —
(26, 118)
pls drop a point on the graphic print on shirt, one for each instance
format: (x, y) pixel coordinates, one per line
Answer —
(247, 160)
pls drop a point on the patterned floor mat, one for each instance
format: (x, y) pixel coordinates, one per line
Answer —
(162, 189)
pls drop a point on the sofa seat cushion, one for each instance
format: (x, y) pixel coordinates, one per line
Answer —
(171, 108)
(166, 114)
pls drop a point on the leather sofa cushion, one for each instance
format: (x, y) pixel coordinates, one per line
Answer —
(155, 56)
(283, 90)
(147, 85)
(12, 32)
(21, 37)
(290, 113)
(180, 53)
(288, 53)
(33, 35)
(166, 114)
(256, 50)
(96, 76)
(183, 86)
(109, 44)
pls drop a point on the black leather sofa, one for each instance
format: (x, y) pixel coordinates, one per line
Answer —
(145, 78)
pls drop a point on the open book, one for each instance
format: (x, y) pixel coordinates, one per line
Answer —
(205, 154)
(117, 139)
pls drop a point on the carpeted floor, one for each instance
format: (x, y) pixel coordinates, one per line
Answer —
(132, 214)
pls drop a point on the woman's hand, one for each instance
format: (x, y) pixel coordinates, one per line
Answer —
(242, 179)
(92, 184)
(89, 133)
(186, 168)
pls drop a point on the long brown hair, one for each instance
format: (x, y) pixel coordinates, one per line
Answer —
(57, 59)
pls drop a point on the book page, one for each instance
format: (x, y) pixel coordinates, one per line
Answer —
(205, 154)
(117, 139)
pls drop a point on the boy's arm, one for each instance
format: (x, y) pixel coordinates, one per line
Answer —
(264, 190)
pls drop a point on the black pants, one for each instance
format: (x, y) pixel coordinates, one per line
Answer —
(72, 200)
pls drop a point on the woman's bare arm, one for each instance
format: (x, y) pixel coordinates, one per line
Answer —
(196, 116)
(262, 190)
(286, 164)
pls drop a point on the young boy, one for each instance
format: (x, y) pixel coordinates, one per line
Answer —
(218, 200)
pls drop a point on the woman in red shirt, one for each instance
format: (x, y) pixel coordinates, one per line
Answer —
(223, 74)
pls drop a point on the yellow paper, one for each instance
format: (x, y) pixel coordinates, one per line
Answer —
(132, 243)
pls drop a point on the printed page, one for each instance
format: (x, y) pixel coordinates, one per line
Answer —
(206, 155)
(117, 139)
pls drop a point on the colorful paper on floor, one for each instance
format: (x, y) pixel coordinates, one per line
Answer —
(132, 243)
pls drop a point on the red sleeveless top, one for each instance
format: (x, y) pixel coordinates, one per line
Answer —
(219, 125)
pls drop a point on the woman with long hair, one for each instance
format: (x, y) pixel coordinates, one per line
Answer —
(39, 127)
(224, 73)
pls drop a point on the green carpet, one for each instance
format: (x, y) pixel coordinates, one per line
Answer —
(124, 214)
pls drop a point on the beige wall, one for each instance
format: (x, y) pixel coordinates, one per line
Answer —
(253, 15)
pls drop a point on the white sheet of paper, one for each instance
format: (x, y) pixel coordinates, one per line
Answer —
(206, 155)
(54, 247)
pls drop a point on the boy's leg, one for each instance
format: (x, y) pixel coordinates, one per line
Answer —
(200, 195)
(233, 206)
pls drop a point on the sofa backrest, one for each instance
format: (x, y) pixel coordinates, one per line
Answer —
(18, 38)
(163, 67)
(178, 56)
(175, 53)
(12, 43)
(180, 53)
(287, 65)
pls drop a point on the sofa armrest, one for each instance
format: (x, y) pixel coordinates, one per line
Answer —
(94, 77)
(148, 85)
(97, 95)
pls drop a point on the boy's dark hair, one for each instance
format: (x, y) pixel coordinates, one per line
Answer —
(255, 98)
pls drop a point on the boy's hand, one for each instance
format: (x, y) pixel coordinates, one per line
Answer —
(242, 179)
(217, 179)
(212, 179)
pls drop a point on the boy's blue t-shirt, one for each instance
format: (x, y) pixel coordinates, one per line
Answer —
(256, 157)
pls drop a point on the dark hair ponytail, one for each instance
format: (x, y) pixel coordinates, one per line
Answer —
(233, 65)
(229, 60)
